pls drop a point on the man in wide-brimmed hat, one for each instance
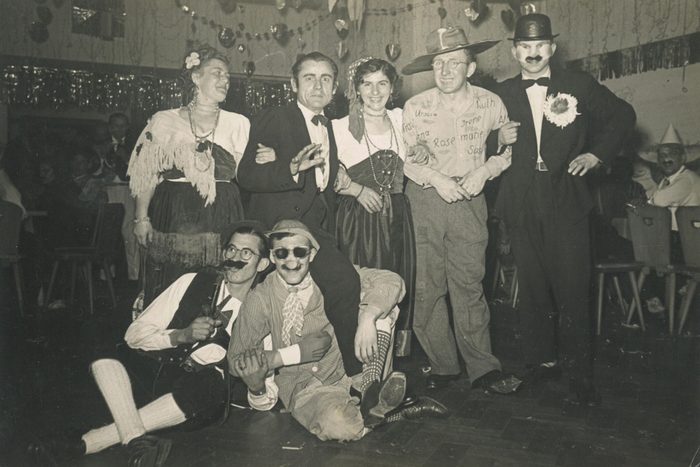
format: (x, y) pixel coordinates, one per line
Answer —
(569, 124)
(453, 120)
(679, 185)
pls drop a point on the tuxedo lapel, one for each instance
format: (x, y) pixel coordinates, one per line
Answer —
(527, 125)
(300, 137)
(300, 134)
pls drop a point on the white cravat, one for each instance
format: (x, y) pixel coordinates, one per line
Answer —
(318, 135)
(537, 94)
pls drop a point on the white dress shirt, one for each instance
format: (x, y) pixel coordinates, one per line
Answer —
(318, 135)
(537, 94)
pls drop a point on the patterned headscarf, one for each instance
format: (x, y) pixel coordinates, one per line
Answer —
(355, 120)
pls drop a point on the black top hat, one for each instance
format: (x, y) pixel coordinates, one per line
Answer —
(532, 27)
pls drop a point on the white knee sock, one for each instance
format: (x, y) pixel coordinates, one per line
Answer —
(161, 413)
(114, 384)
(101, 438)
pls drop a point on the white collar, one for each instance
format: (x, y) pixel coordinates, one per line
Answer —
(308, 113)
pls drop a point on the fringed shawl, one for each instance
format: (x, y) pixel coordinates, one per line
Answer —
(167, 142)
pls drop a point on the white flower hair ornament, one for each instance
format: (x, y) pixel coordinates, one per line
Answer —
(561, 109)
(192, 60)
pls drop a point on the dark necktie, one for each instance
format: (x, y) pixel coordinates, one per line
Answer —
(544, 81)
(319, 119)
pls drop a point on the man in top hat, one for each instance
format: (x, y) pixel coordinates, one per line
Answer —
(679, 186)
(569, 124)
(453, 120)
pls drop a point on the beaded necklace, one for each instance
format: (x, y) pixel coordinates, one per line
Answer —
(202, 145)
(389, 163)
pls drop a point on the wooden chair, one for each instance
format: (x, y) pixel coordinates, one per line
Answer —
(102, 250)
(650, 229)
(689, 228)
(499, 277)
(10, 224)
(602, 269)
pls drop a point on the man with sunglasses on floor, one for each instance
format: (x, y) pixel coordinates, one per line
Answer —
(290, 167)
(288, 306)
(180, 359)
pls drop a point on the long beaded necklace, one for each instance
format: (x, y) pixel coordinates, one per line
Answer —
(388, 158)
(202, 145)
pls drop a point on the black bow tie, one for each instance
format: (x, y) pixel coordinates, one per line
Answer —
(319, 119)
(544, 81)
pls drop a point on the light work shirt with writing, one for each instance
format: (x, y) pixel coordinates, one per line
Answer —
(457, 139)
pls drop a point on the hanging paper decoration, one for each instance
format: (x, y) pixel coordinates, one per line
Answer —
(342, 27)
(527, 8)
(442, 13)
(280, 33)
(508, 18)
(356, 11)
(341, 50)
(227, 37)
(393, 51)
(241, 48)
(249, 69)
(281, 4)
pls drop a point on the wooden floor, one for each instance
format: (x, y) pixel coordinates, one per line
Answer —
(649, 415)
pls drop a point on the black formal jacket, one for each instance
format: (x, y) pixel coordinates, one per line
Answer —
(274, 194)
(601, 128)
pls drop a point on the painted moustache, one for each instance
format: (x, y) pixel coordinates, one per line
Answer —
(533, 59)
(231, 264)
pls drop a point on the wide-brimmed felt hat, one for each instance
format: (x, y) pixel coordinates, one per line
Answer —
(441, 41)
(671, 137)
(533, 27)
(294, 227)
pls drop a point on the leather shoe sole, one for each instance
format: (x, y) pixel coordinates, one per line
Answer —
(382, 397)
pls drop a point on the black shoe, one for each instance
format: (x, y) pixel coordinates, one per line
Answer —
(148, 451)
(418, 408)
(583, 394)
(439, 381)
(53, 451)
(541, 373)
(497, 382)
(381, 397)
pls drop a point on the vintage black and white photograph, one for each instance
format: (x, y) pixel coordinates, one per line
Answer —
(301, 233)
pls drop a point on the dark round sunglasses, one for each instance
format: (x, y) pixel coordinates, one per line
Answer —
(299, 252)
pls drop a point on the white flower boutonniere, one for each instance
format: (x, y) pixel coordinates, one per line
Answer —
(192, 60)
(561, 109)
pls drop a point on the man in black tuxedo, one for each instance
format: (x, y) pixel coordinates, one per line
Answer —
(569, 125)
(290, 167)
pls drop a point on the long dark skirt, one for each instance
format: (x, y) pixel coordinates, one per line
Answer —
(186, 236)
(383, 240)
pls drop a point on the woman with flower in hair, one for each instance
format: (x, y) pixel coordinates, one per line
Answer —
(182, 174)
(373, 220)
